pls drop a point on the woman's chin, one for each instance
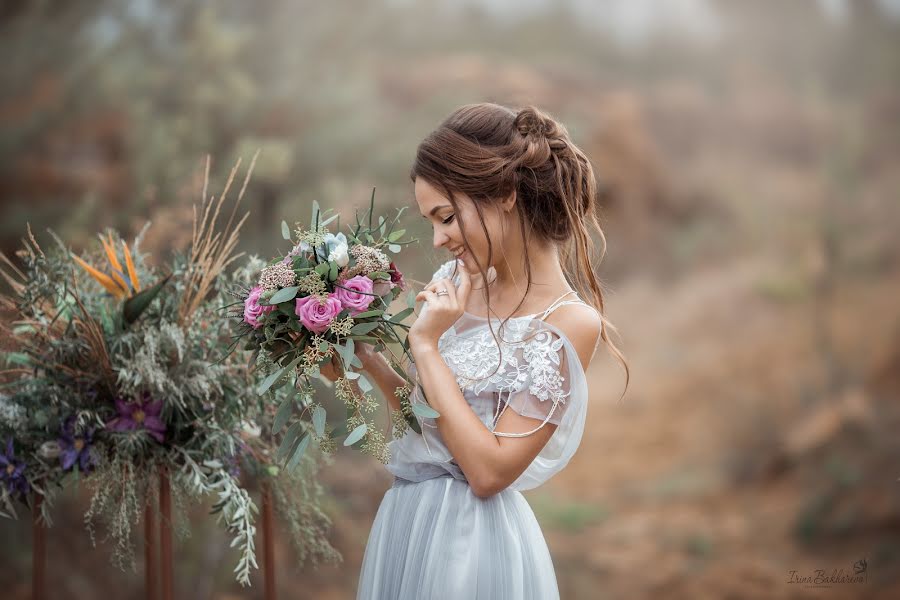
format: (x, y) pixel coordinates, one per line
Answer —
(472, 268)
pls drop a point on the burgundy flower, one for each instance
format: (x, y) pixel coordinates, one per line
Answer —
(139, 415)
(397, 276)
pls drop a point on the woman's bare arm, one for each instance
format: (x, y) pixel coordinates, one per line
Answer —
(385, 377)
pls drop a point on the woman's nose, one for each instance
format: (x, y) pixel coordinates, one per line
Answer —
(439, 239)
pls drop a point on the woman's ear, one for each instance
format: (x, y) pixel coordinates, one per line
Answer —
(508, 203)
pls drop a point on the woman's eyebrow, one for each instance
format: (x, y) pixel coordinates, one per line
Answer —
(435, 209)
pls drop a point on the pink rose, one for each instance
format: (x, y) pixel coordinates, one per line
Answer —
(253, 311)
(357, 297)
(317, 316)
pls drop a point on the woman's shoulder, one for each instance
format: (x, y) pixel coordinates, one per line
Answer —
(580, 324)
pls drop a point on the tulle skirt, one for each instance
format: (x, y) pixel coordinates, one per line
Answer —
(436, 540)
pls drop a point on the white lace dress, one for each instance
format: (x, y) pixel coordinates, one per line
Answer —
(433, 538)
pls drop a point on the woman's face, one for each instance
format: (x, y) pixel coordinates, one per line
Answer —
(445, 222)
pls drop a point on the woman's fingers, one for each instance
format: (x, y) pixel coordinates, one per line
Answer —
(446, 284)
(430, 293)
(332, 369)
(427, 296)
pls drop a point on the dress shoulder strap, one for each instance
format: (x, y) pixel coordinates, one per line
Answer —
(556, 304)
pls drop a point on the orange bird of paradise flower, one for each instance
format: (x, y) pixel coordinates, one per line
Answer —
(114, 283)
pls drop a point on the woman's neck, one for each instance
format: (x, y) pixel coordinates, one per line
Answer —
(508, 287)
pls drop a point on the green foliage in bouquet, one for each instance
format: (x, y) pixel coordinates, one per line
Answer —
(312, 307)
(109, 381)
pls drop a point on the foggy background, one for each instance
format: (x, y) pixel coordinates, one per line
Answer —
(748, 155)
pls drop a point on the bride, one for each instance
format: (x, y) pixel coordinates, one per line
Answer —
(500, 346)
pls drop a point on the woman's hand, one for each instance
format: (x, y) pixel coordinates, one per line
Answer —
(366, 353)
(444, 310)
(332, 370)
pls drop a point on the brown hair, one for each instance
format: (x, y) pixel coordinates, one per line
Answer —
(486, 151)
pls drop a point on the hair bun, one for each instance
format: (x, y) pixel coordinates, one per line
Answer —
(530, 121)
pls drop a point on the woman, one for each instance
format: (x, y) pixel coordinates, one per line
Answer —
(500, 349)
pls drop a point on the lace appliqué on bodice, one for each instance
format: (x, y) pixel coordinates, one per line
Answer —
(518, 359)
(522, 352)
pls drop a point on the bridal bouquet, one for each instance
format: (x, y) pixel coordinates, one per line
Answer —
(309, 308)
(117, 372)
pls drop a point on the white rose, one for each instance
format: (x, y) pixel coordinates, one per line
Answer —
(340, 255)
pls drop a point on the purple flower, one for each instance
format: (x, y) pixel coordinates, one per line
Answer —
(12, 471)
(253, 310)
(75, 447)
(139, 415)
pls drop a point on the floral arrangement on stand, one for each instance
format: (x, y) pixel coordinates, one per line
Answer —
(120, 373)
(312, 306)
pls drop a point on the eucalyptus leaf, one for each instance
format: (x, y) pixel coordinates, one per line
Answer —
(348, 350)
(356, 434)
(364, 384)
(361, 328)
(318, 419)
(282, 415)
(267, 382)
(423, 410)
(395, 248)
(298, 453)
(287, 442)
(283, 295)
(398, 318)
(272, 378)
(413, 423)
(285, 231)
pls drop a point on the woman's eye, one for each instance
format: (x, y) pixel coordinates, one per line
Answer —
(448, 219)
